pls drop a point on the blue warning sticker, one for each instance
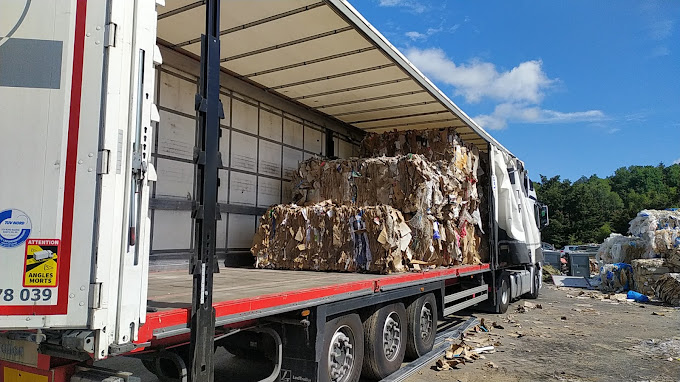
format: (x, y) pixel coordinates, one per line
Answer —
(15, 227)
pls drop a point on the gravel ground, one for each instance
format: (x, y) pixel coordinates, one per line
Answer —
(576, 338)
(572, 338)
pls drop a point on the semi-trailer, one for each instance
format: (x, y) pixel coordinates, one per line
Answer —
(125, 105)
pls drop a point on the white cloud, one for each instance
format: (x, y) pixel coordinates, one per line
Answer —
(660, 51)
(677, 161)
(660, 30)
(413, 35)
(431, 31)
(411, 5)
(519, 90)
(514, 112)
(477, 79)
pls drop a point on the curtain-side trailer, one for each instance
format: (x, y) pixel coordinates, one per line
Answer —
(98, 209)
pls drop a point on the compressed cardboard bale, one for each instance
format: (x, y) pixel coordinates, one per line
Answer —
(673, 259)
(445, 243)
(378, 239)
(430, 195)
(434, 144)
(646, 272)
(668, 288)
(328, 237)
(438, 199)
(409, 183)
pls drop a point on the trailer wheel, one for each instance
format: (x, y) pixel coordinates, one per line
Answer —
(422, 325)
(343, 347)
(385, 344)
(503, 293)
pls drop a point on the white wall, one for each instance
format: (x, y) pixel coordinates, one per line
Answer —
(261, 145)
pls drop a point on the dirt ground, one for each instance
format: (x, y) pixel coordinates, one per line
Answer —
(572, 338)
(576, 338)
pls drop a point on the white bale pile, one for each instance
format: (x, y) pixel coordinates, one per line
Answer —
(621, 249)
(653, 248)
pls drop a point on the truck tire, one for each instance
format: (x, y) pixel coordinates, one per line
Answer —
(536, 285)
(343, 350)
(421, 325)
(503, 293)
(385, 343)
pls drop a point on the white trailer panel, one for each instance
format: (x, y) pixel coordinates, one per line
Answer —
(50, 86)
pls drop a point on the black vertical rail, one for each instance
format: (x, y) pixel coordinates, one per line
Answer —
(206, 212)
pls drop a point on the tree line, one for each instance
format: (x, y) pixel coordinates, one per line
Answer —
(589, 209)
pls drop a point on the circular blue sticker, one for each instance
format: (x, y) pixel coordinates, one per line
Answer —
(15, 227)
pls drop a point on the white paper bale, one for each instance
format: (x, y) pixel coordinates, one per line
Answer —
(652, 220)
(621, 249)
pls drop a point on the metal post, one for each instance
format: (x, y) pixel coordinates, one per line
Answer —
(206, 212)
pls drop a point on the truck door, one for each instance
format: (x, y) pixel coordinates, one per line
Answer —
(50, 106)
(512, 247)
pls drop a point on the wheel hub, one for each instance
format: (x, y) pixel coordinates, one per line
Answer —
(504, 296)
(426, 321)
(341, 354)
(391, 336)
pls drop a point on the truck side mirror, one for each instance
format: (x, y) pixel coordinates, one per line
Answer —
(543, 219)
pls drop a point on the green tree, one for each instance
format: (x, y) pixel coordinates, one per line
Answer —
(590, 209)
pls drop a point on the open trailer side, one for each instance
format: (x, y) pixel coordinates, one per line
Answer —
(102, 207)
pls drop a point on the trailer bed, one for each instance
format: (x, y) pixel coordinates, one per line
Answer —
(244, 294)
(168, 290)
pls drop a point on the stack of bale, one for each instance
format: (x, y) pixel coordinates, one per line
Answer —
(660, 233)
(653, 249)
(616, 277)
(418, 206)
(621, 249)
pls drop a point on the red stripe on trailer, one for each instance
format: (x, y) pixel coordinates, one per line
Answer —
(280, 299)
(70, 178)
(165, 319)
(182, 316)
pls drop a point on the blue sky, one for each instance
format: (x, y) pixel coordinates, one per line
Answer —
(571, 87)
